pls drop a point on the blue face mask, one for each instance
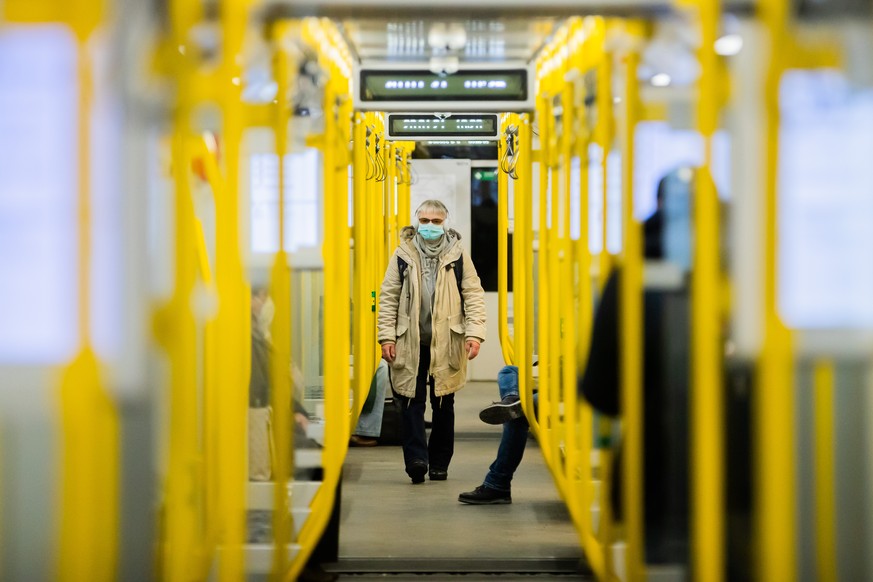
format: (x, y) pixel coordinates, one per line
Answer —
(430, 231)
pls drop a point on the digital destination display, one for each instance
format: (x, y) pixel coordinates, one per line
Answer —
(423, 125)
(508, 85)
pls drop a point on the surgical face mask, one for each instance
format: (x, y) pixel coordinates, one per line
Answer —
(430, 231)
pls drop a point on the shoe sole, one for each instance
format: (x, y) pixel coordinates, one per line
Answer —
(500, 413)
(442, 477)
(489, 502)
(417, 474)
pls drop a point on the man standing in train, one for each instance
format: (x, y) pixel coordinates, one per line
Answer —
(431, 321)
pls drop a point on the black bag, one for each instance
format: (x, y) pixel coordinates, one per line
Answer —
(391, 418)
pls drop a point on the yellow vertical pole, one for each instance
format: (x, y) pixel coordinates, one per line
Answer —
(558, 420)
(567, 303)
(177, 329)
(232, 325)
(90, 464)
(603, 138)
(544, 315)
(389, 212)
(336, 291)
(523, 273)
(631, 318)
(707, 448)
(774, 398)
(211, 413)
(583, 306)
(281, 394)
(825, 504)
(506, 344)
(404, 211)
(362, 170)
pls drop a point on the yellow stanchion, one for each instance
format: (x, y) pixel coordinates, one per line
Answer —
(206, 481)
(404, 210)
(631, 346)
(825, 497)
(523, 272)
(89, 493)
(541, 426)
(89, 489)
(506, 342)
(707, 446)
(282, 395)
(775, 496)
(232, 323)
(603, 134)
(333, 55)
(176, 329)
(567, 299)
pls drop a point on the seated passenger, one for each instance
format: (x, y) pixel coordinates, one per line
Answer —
(369, 427)
(665, 391)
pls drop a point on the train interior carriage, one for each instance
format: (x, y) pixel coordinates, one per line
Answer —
(669, 209)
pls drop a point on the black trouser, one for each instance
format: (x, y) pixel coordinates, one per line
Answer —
(437, 452)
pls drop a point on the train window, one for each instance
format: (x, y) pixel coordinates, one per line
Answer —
(660, 149)
(595, 200)
(38, 165)
(483, 218)
(301, 200)
(825, 207)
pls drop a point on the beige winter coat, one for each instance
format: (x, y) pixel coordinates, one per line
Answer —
(451, 324)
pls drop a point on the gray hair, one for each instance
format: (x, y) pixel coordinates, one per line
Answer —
(432, 206)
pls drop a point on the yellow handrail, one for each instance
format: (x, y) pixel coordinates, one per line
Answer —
(523, 272)
(323, 36)
(825, 502)
(707, 441)
(281, 392)
(631, 346)
(176, 329)
(88, 491)
(363, 169)
(774, 397)
(564, 426)
(544, 315)
(506, 342)
(603, 138)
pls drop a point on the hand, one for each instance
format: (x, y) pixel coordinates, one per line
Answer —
(472, 348)
(301, 420)
(389, 352)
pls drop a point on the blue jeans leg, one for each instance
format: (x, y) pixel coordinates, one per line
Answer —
(507, 381)
(513, 441)
(412, 429)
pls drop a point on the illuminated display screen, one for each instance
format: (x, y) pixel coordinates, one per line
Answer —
(423, 125)
(509, 85)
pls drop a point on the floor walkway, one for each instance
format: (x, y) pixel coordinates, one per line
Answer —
(390, 525)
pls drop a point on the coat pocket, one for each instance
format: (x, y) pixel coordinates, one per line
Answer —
(457, 337)
(401, 343)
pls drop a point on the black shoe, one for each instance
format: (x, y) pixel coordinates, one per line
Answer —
(438, 474)
(507, 409)
(483, 495)
(416, 471)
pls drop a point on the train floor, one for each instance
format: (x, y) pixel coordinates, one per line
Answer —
(391, 528)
